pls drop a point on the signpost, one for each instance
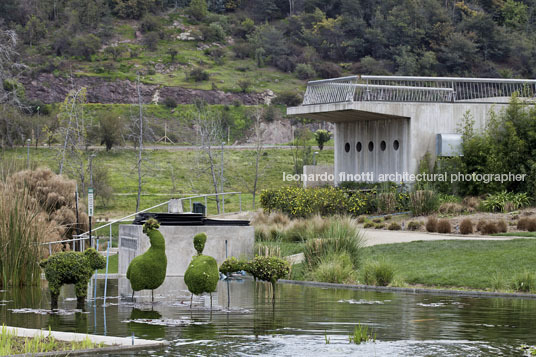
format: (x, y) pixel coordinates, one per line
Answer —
(90, 210)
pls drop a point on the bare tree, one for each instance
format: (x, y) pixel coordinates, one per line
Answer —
(210, 134)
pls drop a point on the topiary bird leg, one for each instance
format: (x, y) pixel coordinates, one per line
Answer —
(191, 300)
(132, 295)
(211, 301)
(152, 295)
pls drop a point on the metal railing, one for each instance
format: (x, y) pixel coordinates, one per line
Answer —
(416, 89)
(79, 241)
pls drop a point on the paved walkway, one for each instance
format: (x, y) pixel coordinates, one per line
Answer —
(380, 236)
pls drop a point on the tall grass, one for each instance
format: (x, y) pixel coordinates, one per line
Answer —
(21, 231)
(335, 268)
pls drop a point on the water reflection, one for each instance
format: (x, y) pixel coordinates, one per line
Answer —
(244, 320)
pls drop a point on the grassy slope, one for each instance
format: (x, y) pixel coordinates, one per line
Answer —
(190, 176)
(465, 264)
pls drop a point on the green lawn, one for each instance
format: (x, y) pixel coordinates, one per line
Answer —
(516, 234)
(461, 264)
(112, 265)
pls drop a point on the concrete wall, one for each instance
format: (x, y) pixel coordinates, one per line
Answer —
(418, 123)
(322, 172)
(179, 244)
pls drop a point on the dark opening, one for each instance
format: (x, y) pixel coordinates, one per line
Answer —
(358, 146)
(370, 146)
(396, 145)
(383, 145)
(347, 147)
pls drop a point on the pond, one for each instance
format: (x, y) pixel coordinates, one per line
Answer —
(304, 321)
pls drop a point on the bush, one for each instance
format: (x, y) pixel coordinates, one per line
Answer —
(380, 226)
(149, 23)
(170, 102)
(523, 223)
(150, 41)
(368, 225)
(288, 98)
(199, 242)
(198, 9)
(85, 46)
(327, 70)
(466, 227)
(377, 220)
(480, 225)
(505, 201)
(217, 54)
(431, 224)
(242, 50)
(489, 228)
(341, 236)
(198, 75)
(414, 226)
(232, 265)
(304, 71)
(423, 202)
(524, 282)
(394, 226)
(269, 269)
(502, 226)
(334, 268)
(244, 85)
(361, 219)
(213, 32)
(531, 225)
(378, 273)
(443, 226)
(321, 137)
(202, 275)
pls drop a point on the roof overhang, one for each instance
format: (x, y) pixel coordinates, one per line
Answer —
(337, 113)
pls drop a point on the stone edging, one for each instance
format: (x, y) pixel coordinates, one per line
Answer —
(469, 293)
(120, 344)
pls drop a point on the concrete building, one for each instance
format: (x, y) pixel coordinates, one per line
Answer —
(385, 124)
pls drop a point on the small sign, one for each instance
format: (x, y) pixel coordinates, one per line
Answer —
(90, 202)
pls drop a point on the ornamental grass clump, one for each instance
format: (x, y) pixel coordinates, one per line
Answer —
(341, 236)
(148, 271)
(524, 282)
(466, 227)
(202, 274)
(379, 273)
(335, 268)
(523, 223)
(423, 202)
(443, 226)
(394, 226)
(531, 225)
(431, 224)
(502, 226)
(489, 228)
(414, 226)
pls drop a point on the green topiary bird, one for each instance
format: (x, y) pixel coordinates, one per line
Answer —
(148, 271)
(202, 274)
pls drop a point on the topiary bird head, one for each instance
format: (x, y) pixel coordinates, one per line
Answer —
(150, 224)
(199, 242)
(96, 260)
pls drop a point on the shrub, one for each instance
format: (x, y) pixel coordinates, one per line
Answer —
(242, 50)
(361, 219)
(505, 201)
(217, 54)
(489, 228)
(71, 268)
(466, 227)
(472, 202)
(451, 207)
(170, 102)
(431, 224)
(213, 32)
(394, 226)
(321, 137)
(199, 242)
(378, 273)
(387, 217)
(414, 226)
(380, 226)
(202, 275)
(341, 236)
(523, 223)
(444, 226)
(368, 225)
(531, 225)
(423, 202)
(244, 85)
(334, 268)
(198, 75)
(269, 269)
(198, 9)
(288, 98)
(524, 282)
(304, 71)
(377, 220)
(386, 202)
(502, 226)
(328, 70)
(481, 223)
(231, 265)
(150, 41)
(149, 23)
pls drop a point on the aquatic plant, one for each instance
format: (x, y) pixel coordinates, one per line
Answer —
(148, 271)
(71, 268)
(362, 334)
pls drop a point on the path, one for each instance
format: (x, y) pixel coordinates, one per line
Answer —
(375, 237)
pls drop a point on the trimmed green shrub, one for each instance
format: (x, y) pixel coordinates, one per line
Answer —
(71, 268)
(199, 242)
(148, 271)
(335, 268)
(269, 269)
(202, 275)
(394, 226)
(378, 273)
(466, 227)
(431, 224)
(231, 265)
(443, 226)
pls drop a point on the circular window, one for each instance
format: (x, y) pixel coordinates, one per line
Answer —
(383, 145)
(396, 145)
(370, 146)
(347, 147)
(358, 146)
